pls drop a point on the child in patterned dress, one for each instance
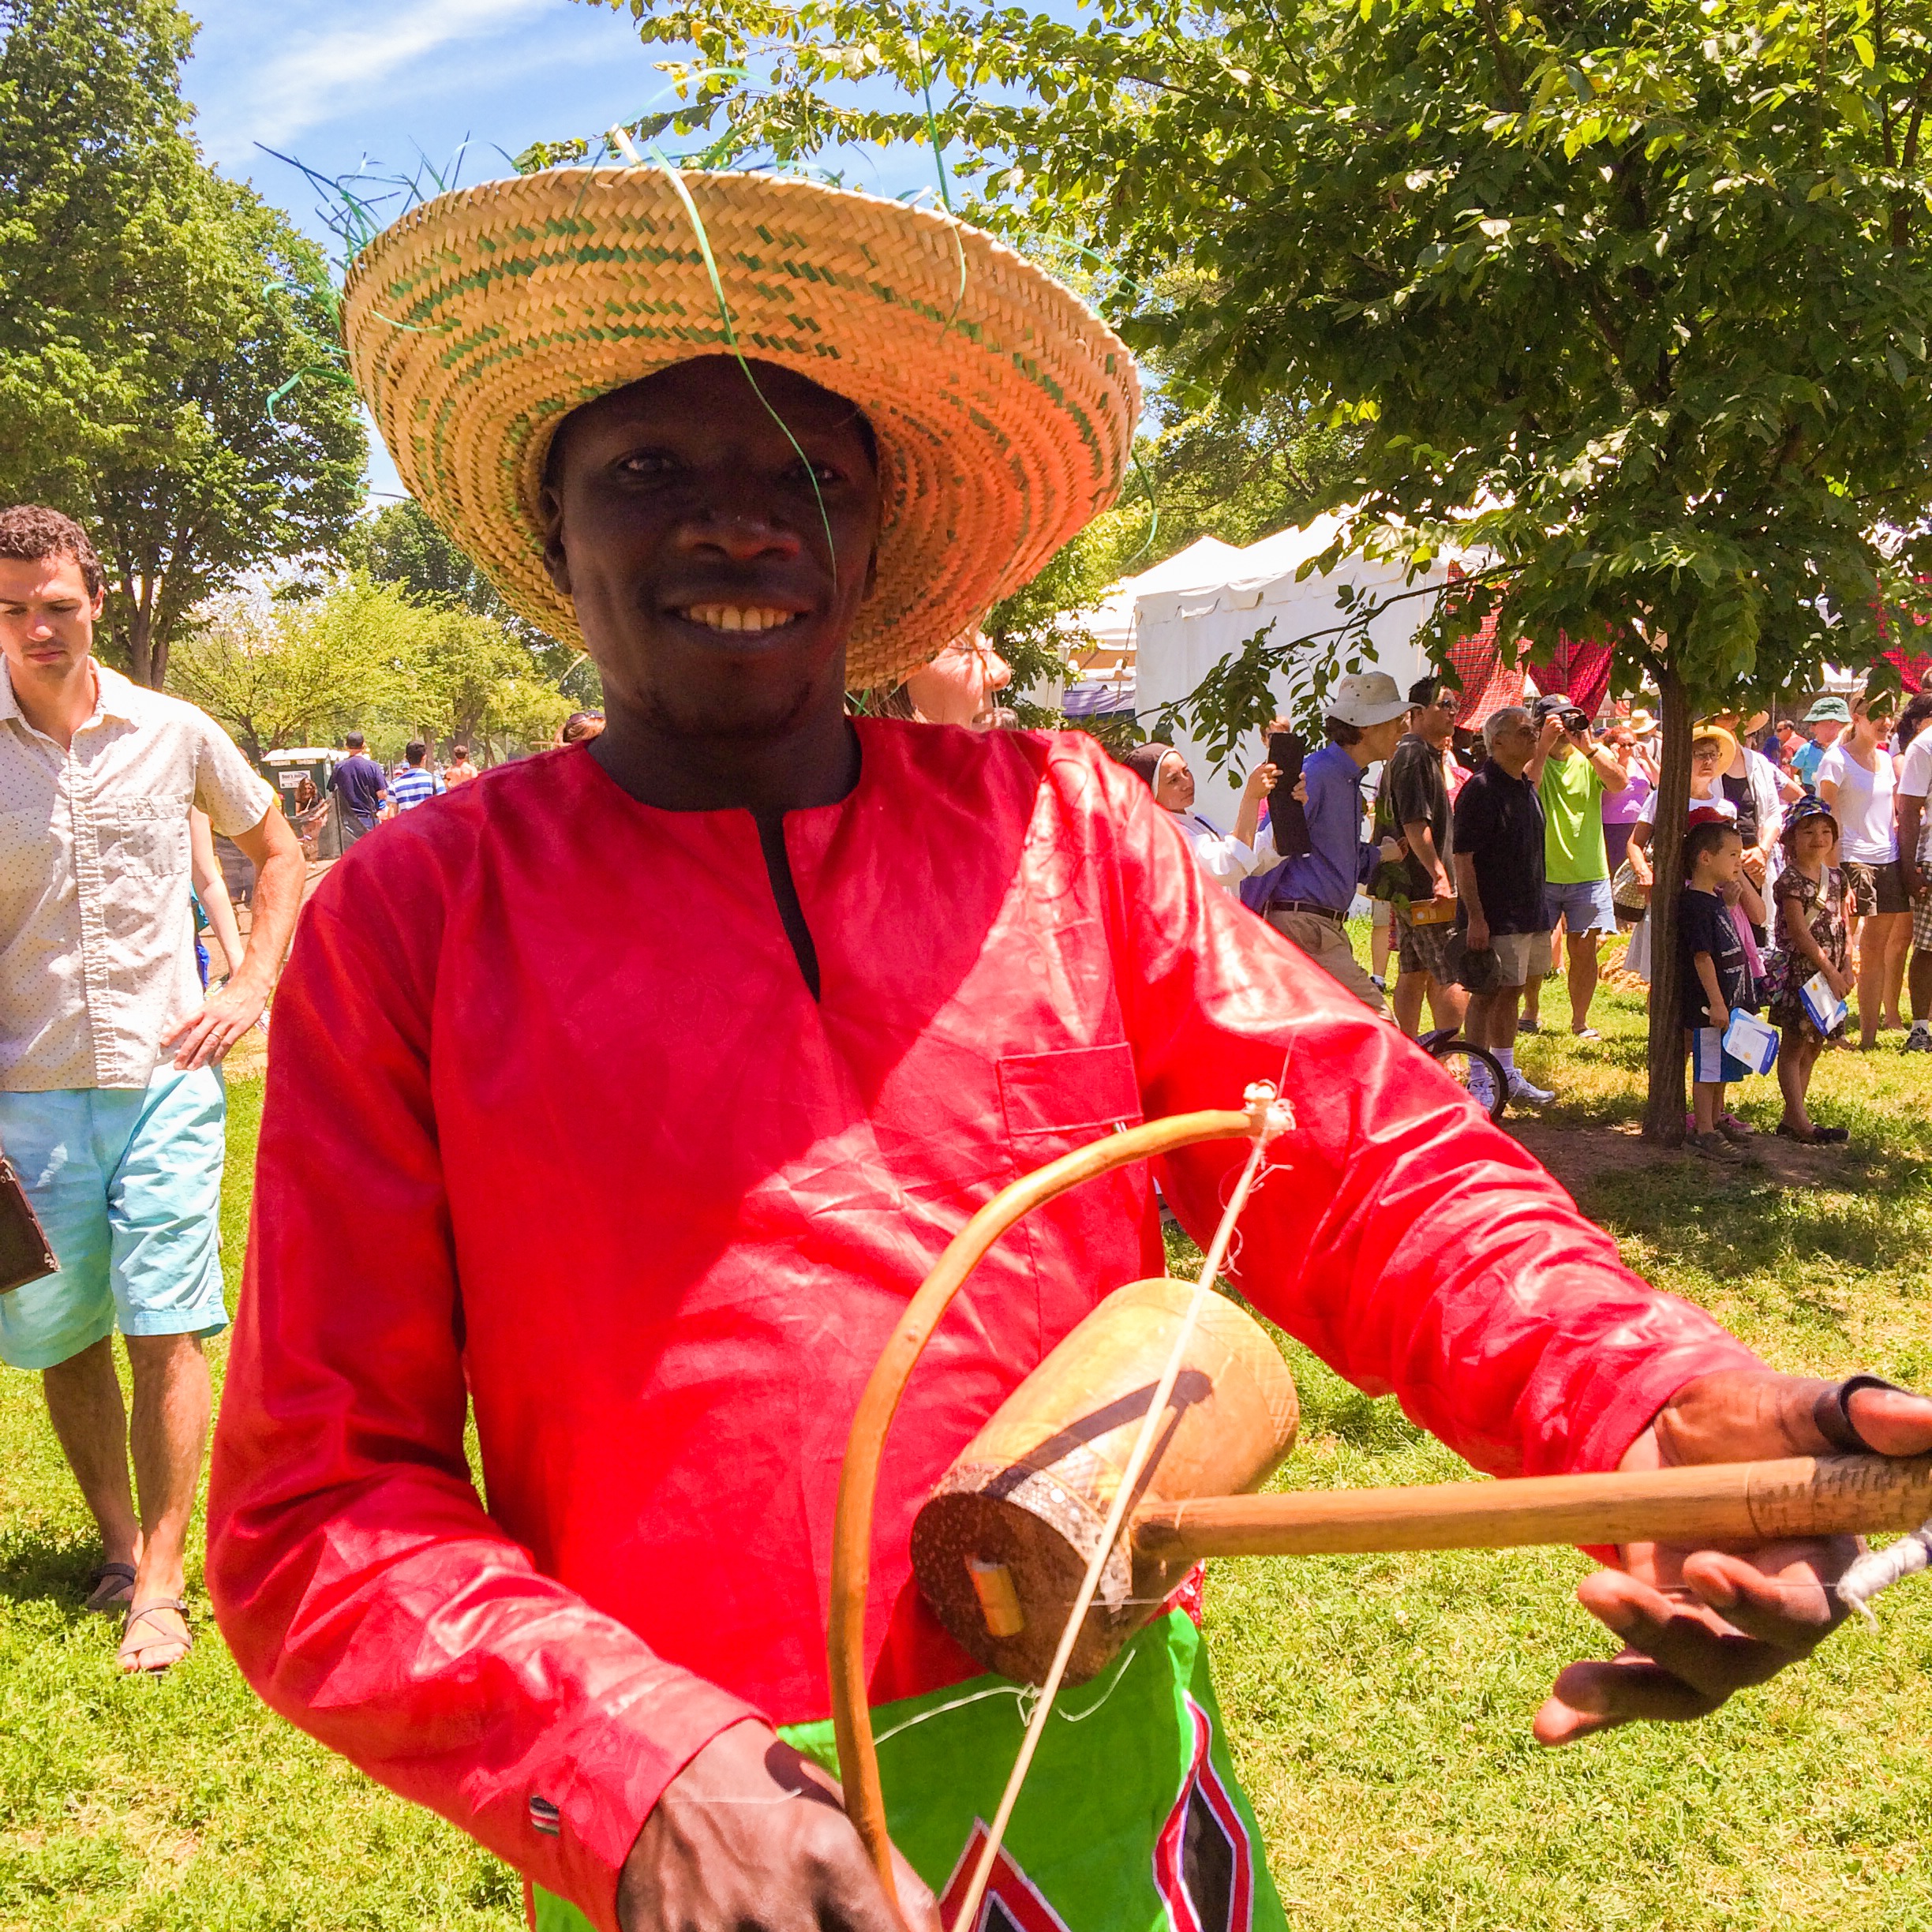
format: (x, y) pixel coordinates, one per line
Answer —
(1813, 936)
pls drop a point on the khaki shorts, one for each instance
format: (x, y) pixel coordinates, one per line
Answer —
(1327, 945)
(1523, 957)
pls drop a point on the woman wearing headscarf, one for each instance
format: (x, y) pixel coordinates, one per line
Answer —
(1226, 857)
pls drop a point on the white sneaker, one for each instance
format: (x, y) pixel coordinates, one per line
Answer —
(1481, 1086)
(1520, 1089)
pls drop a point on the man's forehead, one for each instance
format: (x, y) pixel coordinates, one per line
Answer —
(691, 395)
(42, 580)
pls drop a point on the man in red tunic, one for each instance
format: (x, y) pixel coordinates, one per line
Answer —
(626, 1095)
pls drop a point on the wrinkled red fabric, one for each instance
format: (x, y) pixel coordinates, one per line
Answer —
(552, 1117)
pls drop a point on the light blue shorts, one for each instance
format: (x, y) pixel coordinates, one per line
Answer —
(127, 1183)
(1584, 905)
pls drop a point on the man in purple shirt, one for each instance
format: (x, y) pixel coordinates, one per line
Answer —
(1306, 898)
(358, 782)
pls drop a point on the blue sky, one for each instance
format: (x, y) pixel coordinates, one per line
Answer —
(388, 81)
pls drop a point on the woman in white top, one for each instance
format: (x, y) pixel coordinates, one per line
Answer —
(1226, 858)
(1857, 779)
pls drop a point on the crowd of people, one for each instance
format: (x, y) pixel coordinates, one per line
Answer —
(1493, 861)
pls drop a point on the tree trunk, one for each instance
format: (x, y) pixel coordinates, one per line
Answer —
(1664, 1113)
(140, 642)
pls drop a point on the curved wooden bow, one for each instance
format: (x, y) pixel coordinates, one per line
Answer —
(851, 1539)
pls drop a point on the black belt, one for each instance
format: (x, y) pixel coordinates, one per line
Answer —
(1308, 906)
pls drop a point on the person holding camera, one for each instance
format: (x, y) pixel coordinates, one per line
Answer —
(1577, 776)
(1306, 898)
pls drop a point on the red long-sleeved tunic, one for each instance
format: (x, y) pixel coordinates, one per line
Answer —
(552, 1114)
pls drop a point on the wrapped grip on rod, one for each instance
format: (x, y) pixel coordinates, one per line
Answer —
(1709, 1503)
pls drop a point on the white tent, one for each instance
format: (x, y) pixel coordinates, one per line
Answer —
(1107, 681)
(1183, 631)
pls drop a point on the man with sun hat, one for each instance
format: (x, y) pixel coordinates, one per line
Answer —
(679, 1055)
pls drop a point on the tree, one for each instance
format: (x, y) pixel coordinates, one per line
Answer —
(168, 360)
(400, 544)
(1633, 296)
(279, 673)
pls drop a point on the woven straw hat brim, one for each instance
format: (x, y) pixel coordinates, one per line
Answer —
(1004, 409)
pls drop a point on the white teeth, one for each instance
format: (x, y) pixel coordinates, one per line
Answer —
(737, 617)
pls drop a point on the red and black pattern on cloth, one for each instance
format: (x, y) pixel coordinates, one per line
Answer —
(1010, 1903)
(1488, 684)
(1204, 1860)
(1580, 671)
(1913, 665)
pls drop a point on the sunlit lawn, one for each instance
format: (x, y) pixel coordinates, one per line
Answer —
(1380, 1705)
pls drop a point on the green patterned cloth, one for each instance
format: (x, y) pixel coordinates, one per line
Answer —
(1130, 1820)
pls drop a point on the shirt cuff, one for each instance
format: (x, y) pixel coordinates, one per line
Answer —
(603, 1775)
(1632, 1405)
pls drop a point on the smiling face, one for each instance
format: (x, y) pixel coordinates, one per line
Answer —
(717, 563)
(1814, 839)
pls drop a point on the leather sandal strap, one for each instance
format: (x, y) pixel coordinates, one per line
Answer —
(1832, 1413)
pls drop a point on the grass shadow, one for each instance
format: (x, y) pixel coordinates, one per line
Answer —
(41, 1563)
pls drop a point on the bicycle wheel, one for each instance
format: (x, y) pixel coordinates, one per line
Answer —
(1478, 1073)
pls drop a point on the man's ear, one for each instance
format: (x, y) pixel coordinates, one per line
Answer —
(100, 603)
(550, 508)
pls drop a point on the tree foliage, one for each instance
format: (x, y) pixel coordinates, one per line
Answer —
(401, 545)
(1634, 295)
(278, 672)
(167, 368)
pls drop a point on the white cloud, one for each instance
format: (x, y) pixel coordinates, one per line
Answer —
(292, 85)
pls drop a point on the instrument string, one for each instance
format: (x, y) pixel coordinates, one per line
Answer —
(1273, 1117)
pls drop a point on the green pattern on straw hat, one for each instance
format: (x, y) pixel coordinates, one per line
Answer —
(1004, 411)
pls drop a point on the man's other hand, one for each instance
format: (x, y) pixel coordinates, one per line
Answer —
(751, 1835)
(1699, 1624)
(226, 1015)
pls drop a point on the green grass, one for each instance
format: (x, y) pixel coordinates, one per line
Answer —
(1380, 1706)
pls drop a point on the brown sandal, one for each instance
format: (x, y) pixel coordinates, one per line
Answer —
(110, 1589)
(130, 1651)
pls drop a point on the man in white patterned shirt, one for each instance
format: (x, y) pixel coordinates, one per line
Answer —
(112, 1104)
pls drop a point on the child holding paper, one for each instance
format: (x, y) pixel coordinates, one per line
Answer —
(1813, 938)
(1714, 977)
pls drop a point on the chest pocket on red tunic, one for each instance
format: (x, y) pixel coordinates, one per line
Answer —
(1087, 1242)
(1056, 1102)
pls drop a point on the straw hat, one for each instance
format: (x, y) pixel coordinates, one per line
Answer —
(1004, 411)
(1727, 743)
(1642, 723)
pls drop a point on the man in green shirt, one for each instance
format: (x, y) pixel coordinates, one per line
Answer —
(1576, 870)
